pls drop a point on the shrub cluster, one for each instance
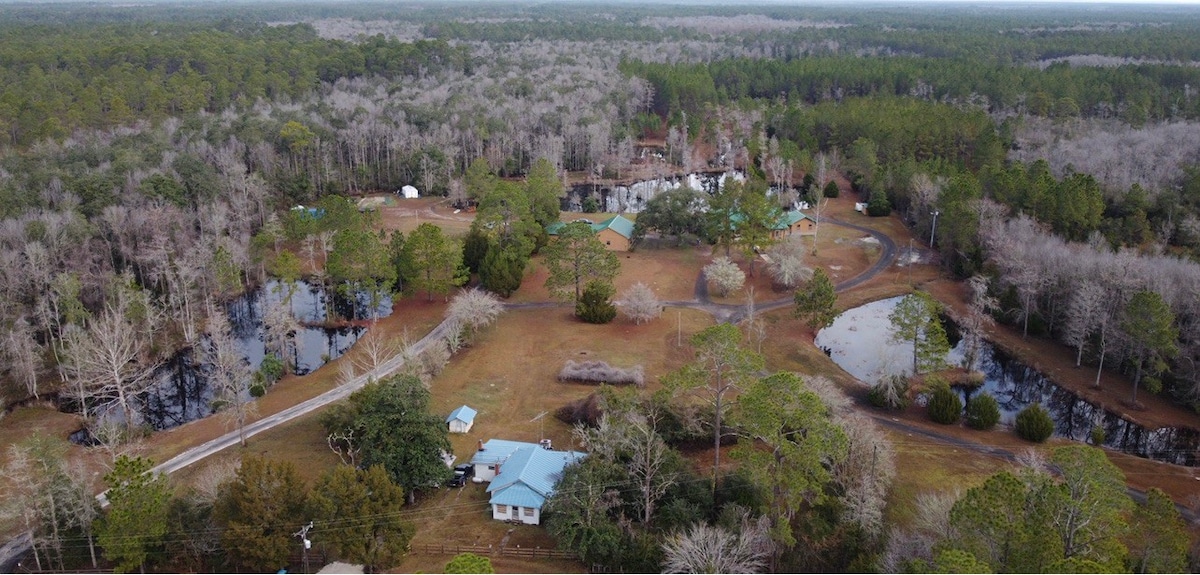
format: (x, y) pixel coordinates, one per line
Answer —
(601, 372)
(1034, 423)
(945, 407)
(586, 411)
(983, 412)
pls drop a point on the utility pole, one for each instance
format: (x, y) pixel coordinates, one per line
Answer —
(305, 544)
(679, 329)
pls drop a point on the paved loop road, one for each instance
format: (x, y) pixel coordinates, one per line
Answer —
(734, 313)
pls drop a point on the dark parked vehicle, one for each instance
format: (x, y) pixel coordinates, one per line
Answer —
(461, 474)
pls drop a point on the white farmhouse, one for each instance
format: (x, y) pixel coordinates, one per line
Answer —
(522, 475)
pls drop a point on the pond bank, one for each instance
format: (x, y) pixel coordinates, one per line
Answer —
(859, 342)
(1057, 362)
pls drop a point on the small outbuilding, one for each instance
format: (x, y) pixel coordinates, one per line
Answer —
(409, 192)
(461, 420)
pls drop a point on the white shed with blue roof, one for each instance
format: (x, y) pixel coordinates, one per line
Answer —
(461, 420)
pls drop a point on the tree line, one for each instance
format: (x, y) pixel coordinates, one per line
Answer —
(60, 78)
(1136, 93)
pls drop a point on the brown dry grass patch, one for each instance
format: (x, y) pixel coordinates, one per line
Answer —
(407, 214)
(670, 272)
(436, 563)
(510, 373)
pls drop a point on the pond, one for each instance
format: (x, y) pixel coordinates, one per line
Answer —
(181, 392)
(859, 342)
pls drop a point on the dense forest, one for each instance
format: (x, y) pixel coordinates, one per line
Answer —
(150, 155)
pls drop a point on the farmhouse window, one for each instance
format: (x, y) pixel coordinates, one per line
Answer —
(529, 512)
(502, 509)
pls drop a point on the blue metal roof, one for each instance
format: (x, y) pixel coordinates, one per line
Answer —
(531, 468)
(518, 496)
(464, 414)
(498, 450)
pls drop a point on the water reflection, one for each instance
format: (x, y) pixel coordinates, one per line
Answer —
(181, 392)
(859, 343)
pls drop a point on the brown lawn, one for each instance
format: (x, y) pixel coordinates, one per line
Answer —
(406, 214)
(509, 374)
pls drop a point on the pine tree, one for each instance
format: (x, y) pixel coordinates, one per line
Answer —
(502, 270)
(137, 515)
(816, 301)
(260, 509)
(595, 306)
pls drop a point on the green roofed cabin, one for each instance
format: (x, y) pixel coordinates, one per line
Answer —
(615, 232)
(792, 222)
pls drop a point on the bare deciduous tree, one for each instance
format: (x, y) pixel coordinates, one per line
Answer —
(473, 310)
(866, 473)
(787, 262)
(22, 354)
(373, 349)
(977, 319)
(639, 303)
(753, 322)
(1086, 310)
(725, 275)
(49, 496)
(435, 357)
(705, 548)
(110, 362)
(648, 463)
(230, 377)
(279, 331)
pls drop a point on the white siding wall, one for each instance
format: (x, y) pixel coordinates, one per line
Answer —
(460, 426)
(485, 472)
(527, 515)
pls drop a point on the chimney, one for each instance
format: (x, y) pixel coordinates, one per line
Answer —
(497, 468)
(480, 445)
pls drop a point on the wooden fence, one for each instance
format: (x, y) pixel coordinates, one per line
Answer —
(507, 551)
